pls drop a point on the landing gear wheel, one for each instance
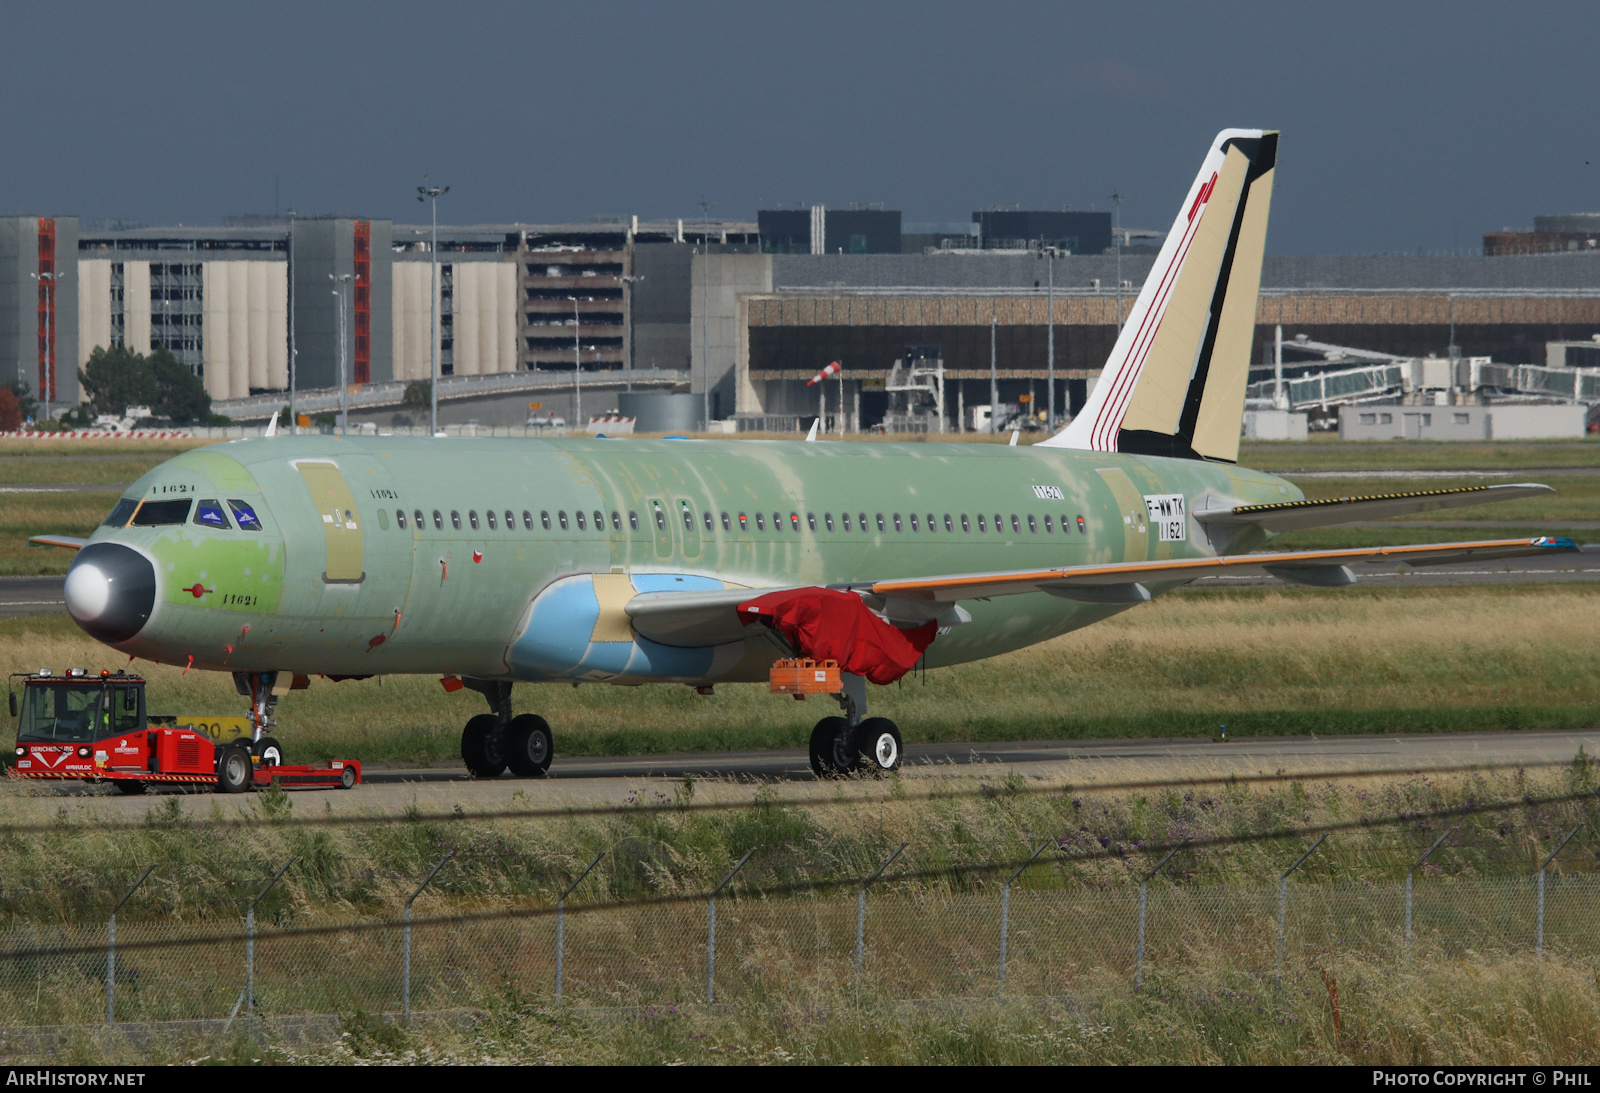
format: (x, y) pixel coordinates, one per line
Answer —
(269, 751)
(878, 746)
(832, 752)
(129, 789)
(483, 747)
(235, 772)
(529, 748)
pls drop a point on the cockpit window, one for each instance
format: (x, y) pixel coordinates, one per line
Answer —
(209, 513)
(245, 515)
(120, 512)
(155, 514)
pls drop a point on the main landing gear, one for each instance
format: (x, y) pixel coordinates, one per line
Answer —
(493, 742)
(854, 743)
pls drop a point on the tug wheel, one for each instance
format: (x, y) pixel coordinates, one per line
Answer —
(831, 750)
(529, 747)
(878, 746)
(347, 778)
(483, 747)
(235, 771)
(269, 751)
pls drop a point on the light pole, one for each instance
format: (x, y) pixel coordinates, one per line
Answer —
(344, 387)
(294, 415)
(1050, 342)
(628, 281)
(48, 280)
(705, 317)
(432, 193)
(1116, 241)
(577, 364)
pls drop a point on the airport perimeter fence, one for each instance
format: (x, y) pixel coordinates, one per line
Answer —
(881, 941)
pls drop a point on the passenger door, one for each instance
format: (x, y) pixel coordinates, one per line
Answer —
(341, 521)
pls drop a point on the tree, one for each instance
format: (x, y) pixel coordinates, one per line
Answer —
(117, 378)
(180, 394)
(418, 396)
(10, 412)
(26, 403)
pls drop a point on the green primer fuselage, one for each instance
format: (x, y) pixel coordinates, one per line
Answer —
(360, 595)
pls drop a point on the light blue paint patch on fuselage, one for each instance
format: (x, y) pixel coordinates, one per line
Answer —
(674, 582)
(555, 643)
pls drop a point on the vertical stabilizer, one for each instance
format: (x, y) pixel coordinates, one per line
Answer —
(1174, 384)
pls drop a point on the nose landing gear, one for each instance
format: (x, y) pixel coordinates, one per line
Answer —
(494, 741)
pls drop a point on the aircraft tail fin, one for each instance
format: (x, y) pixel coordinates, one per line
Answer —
(1174, 384)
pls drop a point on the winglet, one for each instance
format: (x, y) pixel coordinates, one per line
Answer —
(812, 435)
(71, 542)
(272, 426)
(1014, 437)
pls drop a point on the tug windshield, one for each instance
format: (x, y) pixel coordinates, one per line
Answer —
(71, 713)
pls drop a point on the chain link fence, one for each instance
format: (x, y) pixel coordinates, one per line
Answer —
(913, 943)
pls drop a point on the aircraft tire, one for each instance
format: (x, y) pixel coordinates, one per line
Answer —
(529, 747)
(483, 747)
(829, 739)
(269, 751)
(878, 747)
(129, 788)
(235, 771)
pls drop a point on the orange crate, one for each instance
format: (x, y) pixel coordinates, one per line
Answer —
(805, 677)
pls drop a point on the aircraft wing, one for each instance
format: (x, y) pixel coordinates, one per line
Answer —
(71, 542)
(1123, 582)
(691, 619)
(1294, 515)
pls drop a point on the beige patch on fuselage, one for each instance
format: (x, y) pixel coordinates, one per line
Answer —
(1134, 514)
(613, 591)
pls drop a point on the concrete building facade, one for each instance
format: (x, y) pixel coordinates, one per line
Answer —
(39, 305)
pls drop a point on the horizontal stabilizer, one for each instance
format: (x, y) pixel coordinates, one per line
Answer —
(1294, 515)
(1315, 567)
(71, 542)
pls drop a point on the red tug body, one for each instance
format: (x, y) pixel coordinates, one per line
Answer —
(96, 729)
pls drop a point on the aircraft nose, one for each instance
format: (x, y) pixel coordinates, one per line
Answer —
(111, 590)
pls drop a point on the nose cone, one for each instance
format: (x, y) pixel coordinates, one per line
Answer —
(111, 590)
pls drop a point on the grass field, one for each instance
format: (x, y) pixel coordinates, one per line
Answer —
(1263, 662)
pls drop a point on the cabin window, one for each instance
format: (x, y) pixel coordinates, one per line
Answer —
(416, 518)
(761, 522)
(915, 527)
(964, 525)
(897, 521)
(744, 522)
(861, 520)
(811, 521)
(999, 524)
(727, 524)
(455, 519)
(949, 525)
(118, 517)
(777, 521)
(494, 525)
(633, 520)
(472, 518)
(155, 514)
(982, 527)
(844, 518)
(544, 518)
(710, 521)
(561, 518)
(400, 518)
(383, 520)
(616, 520)
(827, 520)
(208, 513)
(1048, 530)
(688, 519)
(794, 522)
(511, 520)
(582, 524)
(1082, 527)
(1033, 525)
(1016, 525)
(661, 520)
(599, 521)
(244, 515)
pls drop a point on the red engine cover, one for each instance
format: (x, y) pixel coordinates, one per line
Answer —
(179, 751)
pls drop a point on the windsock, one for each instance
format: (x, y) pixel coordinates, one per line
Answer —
(826, 374)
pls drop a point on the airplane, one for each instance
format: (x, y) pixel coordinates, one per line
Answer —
(698, 562)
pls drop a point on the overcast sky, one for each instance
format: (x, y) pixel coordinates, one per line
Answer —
(1405, 126)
